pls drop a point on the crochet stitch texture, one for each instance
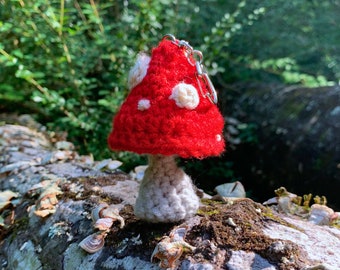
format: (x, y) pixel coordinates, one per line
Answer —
(167, 114)
(166, 193)
(152, 121)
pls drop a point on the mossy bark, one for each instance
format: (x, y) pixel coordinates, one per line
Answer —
(298, 138)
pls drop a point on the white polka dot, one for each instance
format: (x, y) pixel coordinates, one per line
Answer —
(143, 104)
(218, 137)
(185, 95)
(139, 70)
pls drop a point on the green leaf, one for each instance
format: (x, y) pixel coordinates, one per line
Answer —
(18, 53)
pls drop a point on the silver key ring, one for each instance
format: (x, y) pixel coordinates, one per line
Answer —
(197, 57)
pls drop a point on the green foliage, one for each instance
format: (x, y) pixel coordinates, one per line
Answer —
(305, 33)
(219, 40)
(211, 172)
(59, 59)
(67, 61)
(294, 42)
(248, 133)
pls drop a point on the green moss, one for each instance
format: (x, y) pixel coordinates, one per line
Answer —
(210, 202)
(336, 226)
(209, 207)
(18, 226)
(291, 110)
(209, 212)
(248, 224)
(268, 213)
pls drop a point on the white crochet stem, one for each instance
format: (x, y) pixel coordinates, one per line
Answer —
(166, 193)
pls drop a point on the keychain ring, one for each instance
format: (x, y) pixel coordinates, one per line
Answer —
(197, 57)
(169, 37)
(198, 54)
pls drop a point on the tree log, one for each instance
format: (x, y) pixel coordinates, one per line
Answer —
(50, 203)
(298, 134)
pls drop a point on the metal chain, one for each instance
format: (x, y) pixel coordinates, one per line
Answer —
(201, 72)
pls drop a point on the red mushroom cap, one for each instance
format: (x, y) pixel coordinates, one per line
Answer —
(151, 121)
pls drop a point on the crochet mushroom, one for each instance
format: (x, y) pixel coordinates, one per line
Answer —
(170, 111)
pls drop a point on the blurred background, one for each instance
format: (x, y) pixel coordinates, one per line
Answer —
(275, 64)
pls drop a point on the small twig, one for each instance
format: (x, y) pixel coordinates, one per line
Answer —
(95, 10)
(61, 20)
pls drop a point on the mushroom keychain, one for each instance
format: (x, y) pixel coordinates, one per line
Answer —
(171, 111)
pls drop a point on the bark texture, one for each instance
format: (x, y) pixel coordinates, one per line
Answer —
(54, 191)
(297, 133)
